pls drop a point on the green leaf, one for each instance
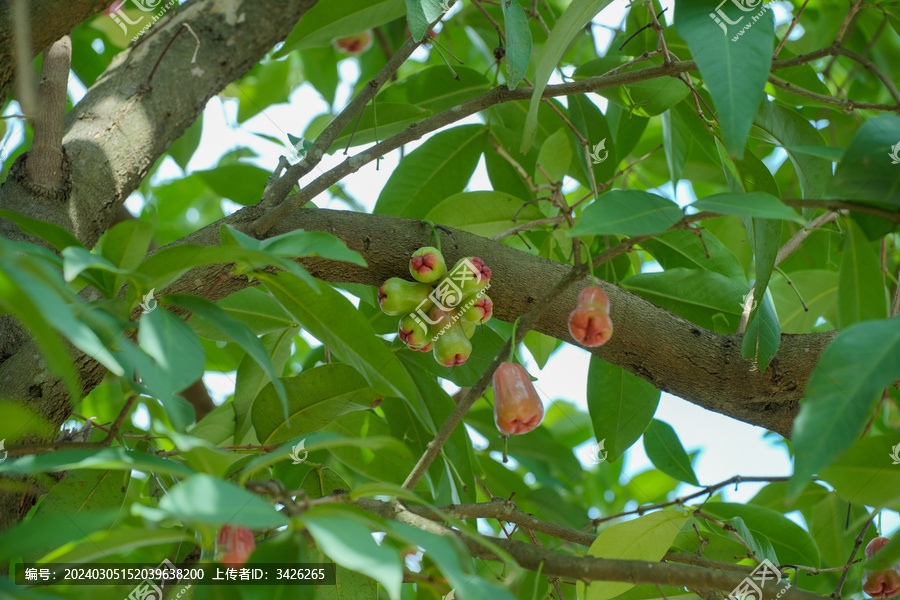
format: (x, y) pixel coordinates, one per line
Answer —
(541, 347)
(317, 397)
(300, 243)
(350, 544)
(792, 544)
(818, 287)
(788, 128)
(238, 332)
(842, 390)
(108, 458)
(763, 334)
(251, 379)
(735, 67)
(627, 212)
(126, 244)
(866, 172)
(378, 122)
(554, 158)
(567, 27)
(751, 204)
(322, 23)
(486, 213)
(648, 98)
(591, 123)
(223, 503)
(646, 538)
(706, 298)
(100, 545)
(240, 183)
(436, 89)
(621, 406)
(258, 310)
(518, 42)
(677, 141)
(666, 452)
(680, 248)
(861, 294)
(58, 237)
(182, 149)
(29, 537)
(334, 321)
(89, 490)
(438, 169)
(866, 473)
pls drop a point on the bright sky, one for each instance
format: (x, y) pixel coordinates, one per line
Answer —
(725, 447)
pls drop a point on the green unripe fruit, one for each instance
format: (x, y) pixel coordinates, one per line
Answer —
(452, 347)
(427, 264)
(469, 327)
(478, 309)
(414, 332)
(399, 297)
(471, 274)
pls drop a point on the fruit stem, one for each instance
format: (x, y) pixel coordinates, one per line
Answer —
(512, 342)
(505, 448)
(435, 239)
(587, 250)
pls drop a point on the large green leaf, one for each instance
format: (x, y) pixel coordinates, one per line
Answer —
(763, 334)
(378, 122)
(567, 27)
(85, 490)
(861, 293)
(842, 390)
(646, 538)
(518, 42)
(346, 539)
(817, 287)
(867, 172)
(787, 128)
(701, 250)
(664, 449)
(320, 244)
(251, 379)
(867, 473)
(792, 543)
(251, 306)
(704, 297)
(53, 234)
(117, 458)
(322, 23)
(439, 168)
(627, 212)
(734, 61)
(486, 213)
(751, 204)
(317, 397)
(239, 183)
(334, 321)
(436, 89)
(223, 503)
(621, 405)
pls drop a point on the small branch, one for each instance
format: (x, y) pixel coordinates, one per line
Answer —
(895, 309)
(45, 166)
(26, 85)
(787, 34)
(846, 103)
(890, 215)
(850, 14)
(792, 244)
(836, 595)
(525, 226)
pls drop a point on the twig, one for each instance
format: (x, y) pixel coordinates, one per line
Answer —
(859, 540)
(895, 309)
(525, 226)
(787, 34)
(792, 244)
(850, 14)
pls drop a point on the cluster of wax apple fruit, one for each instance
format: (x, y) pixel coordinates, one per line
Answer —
(425, 325)
(881, 584)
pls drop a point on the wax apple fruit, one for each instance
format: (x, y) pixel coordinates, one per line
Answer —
(427, 264)
(452, 347)
(399, 297)
(517, 407)
(480, 310)
(471, 274)
(356, 44)
(589, 323)
(234, 544)
(594, 295)
(590, 326)
(881, 584)
(414, 332)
